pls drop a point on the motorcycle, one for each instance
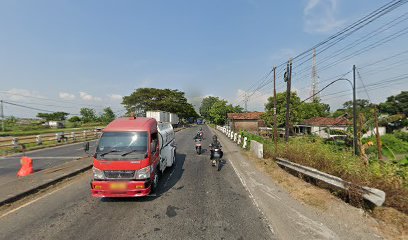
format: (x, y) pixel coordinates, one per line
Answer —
(217, 158)
(198, 146)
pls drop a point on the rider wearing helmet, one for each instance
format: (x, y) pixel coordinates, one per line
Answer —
(215, 144)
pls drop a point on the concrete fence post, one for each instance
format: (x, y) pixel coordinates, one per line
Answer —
(38, 140)
(73, 136)
(235, 137)
(232, 135)
(84, 133)
(15, 143)
(239, 139)
(245, 143)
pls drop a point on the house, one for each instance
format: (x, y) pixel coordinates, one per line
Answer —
(250, 121)
(54, 124)
(323, 126)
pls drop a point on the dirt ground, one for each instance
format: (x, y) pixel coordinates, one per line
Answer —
(391, 223)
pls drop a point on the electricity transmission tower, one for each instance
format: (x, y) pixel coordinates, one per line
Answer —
(315, 80)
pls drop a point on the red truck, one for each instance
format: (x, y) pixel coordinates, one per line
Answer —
(130, 156)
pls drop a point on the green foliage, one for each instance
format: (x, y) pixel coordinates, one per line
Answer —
(149, 99)
(396, 104)
(206, 105)
(300, 111)
(107, 116)
(219, 110)
(74, 119)
(56, 116)
(310, 151)
(88, 115)
(401, 135)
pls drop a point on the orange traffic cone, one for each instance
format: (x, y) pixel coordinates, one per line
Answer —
(26, 167)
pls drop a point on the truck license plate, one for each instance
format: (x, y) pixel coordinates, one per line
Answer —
(118, 186)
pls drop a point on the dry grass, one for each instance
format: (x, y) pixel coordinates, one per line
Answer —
(392, 223)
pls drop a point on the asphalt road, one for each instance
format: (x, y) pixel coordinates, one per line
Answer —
(42, 159)
(194, 201)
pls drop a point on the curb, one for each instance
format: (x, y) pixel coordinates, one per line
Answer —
(40, 180)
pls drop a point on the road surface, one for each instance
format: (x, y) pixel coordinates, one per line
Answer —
(194, 201)
(42, 159)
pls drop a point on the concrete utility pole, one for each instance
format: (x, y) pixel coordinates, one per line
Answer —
(275, 120)
(288, 79)
(377, 134)
(355, 140)
(2, 115)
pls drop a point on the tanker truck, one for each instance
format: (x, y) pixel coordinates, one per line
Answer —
(130, 157)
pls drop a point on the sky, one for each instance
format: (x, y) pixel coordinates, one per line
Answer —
(63, 55)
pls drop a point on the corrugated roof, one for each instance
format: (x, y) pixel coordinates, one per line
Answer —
(324, 121)
(245, 116)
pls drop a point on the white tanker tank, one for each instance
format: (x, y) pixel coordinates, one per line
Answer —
(167, 145)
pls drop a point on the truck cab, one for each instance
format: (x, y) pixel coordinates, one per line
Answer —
(131, 154)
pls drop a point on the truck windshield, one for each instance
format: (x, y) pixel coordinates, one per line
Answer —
(122, 146)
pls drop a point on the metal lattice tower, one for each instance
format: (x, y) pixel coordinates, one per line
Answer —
(315, 80)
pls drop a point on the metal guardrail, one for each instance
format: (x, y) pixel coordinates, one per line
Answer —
(373, 195)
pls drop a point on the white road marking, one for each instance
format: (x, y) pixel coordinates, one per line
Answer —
(251, 196)
(35, 200)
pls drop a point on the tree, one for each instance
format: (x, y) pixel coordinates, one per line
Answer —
(206, 105)
(88, 115)
(108, 115)
(395, 104)
(74, 119)
(150, 99)
(55, 116)
(219, 110)
(299, 111)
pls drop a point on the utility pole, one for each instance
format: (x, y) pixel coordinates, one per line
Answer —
(355, 142)
(377, 134)
(288, 79)
(315, 79)
(275, 120)
(2, 115)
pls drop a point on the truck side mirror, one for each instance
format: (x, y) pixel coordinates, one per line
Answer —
(86, 147)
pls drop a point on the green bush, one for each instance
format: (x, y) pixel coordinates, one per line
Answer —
(401, 135)
(313, 152)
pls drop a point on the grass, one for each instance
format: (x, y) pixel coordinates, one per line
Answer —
(311, 151)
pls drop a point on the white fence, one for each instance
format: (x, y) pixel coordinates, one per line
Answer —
(240, 140)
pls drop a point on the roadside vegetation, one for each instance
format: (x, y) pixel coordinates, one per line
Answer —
(391, 177)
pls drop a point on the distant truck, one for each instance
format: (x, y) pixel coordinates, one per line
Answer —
(162, 116)
(130, 156)
(200, 121)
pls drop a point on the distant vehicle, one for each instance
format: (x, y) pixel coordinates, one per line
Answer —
(162, 116)
(200, 121)
(130, 156)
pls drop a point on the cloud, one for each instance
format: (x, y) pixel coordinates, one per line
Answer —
(319, 16)
(88, 97)
(66, 96)
(16, 94)
(115, 97)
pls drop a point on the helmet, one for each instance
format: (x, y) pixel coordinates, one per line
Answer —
(201, 129)
(215, 137)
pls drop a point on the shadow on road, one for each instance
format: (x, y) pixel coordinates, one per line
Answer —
(169, 178)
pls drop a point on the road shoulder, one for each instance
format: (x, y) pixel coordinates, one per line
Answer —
(291, 218)
(22, 187)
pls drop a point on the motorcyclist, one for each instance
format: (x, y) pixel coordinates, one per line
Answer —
(215, 144)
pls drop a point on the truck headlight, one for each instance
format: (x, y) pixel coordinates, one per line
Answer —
(98, 174)
(143, 173)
